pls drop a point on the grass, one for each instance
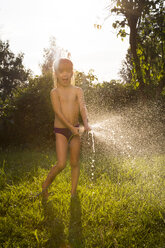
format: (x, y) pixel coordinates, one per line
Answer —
(122, 207)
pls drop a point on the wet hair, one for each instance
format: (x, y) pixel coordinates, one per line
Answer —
(56, 66)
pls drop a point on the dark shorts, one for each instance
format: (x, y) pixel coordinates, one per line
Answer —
(65, 131)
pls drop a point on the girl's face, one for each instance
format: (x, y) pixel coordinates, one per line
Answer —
(64, 73)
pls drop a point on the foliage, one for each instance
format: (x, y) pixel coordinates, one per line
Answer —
(12, 71)
(114, 95)
(29, 117)
(151, 48)
(126, 69)
(146, 22)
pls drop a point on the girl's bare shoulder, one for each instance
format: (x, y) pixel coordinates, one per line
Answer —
(54, 93)
(77, 89)
(54, 90)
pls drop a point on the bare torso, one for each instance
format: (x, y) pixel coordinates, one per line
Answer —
(69, 106)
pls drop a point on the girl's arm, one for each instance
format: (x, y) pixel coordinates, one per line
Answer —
(83, 109)
(57, 109)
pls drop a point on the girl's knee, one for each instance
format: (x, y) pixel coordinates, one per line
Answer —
(74, 164)
(61, 165)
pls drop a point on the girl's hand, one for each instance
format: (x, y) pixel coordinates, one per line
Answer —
(87, 128)
(75, 130)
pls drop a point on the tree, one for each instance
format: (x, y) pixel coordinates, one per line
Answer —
(12, 71)
(52, 53)
(28, 117)
(134, 14)
(127, 66)
(152, 48)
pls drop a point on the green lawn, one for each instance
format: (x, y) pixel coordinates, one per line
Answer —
(122, 207)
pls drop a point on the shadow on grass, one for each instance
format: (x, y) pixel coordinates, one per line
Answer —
(75, 238)
(54, 226)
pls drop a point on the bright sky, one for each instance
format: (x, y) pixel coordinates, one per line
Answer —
(29, 24)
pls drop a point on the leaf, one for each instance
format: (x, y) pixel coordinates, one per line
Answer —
(161, 216)
(137, 84)
(35, 233)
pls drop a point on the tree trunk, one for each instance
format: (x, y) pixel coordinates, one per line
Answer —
(133, 44)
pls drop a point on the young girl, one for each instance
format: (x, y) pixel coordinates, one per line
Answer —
(67, 102)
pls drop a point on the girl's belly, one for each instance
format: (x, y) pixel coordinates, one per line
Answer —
(71, 114)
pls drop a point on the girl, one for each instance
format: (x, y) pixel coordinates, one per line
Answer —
(67, 102)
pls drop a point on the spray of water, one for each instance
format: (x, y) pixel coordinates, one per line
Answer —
(136, 131)
(93, 155)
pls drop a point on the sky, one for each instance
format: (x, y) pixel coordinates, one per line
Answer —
(29, 24)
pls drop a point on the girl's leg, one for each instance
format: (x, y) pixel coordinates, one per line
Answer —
(74, 162)
(61, 152)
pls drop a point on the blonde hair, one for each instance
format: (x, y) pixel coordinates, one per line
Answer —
(55, 67)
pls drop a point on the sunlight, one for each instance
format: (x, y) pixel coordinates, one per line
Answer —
(81, 165)
(72, 24)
